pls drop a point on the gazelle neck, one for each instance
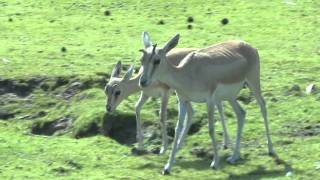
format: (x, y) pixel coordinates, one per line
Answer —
(169, 73)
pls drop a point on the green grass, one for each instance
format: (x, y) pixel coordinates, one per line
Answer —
(33, 33)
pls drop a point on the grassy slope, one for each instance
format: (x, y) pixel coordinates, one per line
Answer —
(286, 35)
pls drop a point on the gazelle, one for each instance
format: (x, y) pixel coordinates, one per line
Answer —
(117, 89)
(209, 75)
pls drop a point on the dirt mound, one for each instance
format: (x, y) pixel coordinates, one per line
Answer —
(52, 127)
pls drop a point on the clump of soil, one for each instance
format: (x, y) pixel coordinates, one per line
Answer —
(161, 22)
(190, 19)
(224, 21)
(63, 49)
(107, 13)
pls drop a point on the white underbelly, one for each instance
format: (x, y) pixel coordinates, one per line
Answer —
(223, 92)
(227, 91)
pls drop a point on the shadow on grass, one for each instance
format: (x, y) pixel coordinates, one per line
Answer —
(261, 172)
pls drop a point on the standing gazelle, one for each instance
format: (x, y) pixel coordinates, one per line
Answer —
(118, 89)
(209, 75)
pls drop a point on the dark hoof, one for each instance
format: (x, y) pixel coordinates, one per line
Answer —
(165, 172)
(138, 152)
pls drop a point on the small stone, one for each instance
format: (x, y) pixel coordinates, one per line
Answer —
(289, 174)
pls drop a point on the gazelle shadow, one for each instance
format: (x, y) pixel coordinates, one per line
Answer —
(261, 172)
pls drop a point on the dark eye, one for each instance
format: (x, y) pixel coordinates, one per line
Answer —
(117, 93)
(156, 62)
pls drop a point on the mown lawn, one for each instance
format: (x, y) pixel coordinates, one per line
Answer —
(46, 47)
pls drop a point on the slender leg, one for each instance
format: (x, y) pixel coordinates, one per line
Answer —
(163, 119)
(266, 124)
(143, 98)
(253, 81)
(240, 116)
(226, 139)
(178, 129)
(212, 133)
(187, 124)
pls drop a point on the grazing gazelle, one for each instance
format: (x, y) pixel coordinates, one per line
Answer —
(209, 75)
(118, 89)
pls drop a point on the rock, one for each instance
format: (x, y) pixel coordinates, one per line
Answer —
(311, 89)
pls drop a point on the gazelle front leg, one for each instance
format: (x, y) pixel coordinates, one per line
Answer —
(143, 98)
(212, 132)
(240, 113)
(178, 129)
(186, 125)
(163, 119)
(226, 139)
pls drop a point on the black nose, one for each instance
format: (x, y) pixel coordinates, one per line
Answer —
(143, 83)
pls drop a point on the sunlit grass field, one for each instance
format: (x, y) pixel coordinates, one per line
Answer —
(47, 47)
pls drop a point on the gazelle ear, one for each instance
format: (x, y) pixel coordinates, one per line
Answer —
(146, 39)
(128, 74)
(171, 43)
(116, 70)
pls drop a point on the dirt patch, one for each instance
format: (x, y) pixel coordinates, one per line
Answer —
(21, 88)
(91, 130)
(201, 152)
(120, 127)
(302, 130)
(5, 115)
(52, 127)
(35, 115)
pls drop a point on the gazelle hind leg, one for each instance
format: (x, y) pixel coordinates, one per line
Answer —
(240, 112)
(226, 139)
(254, 85)
(212, 133)
(266, 123)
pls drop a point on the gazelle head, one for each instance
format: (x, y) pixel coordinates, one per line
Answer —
(153, 58)
(116, 89)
